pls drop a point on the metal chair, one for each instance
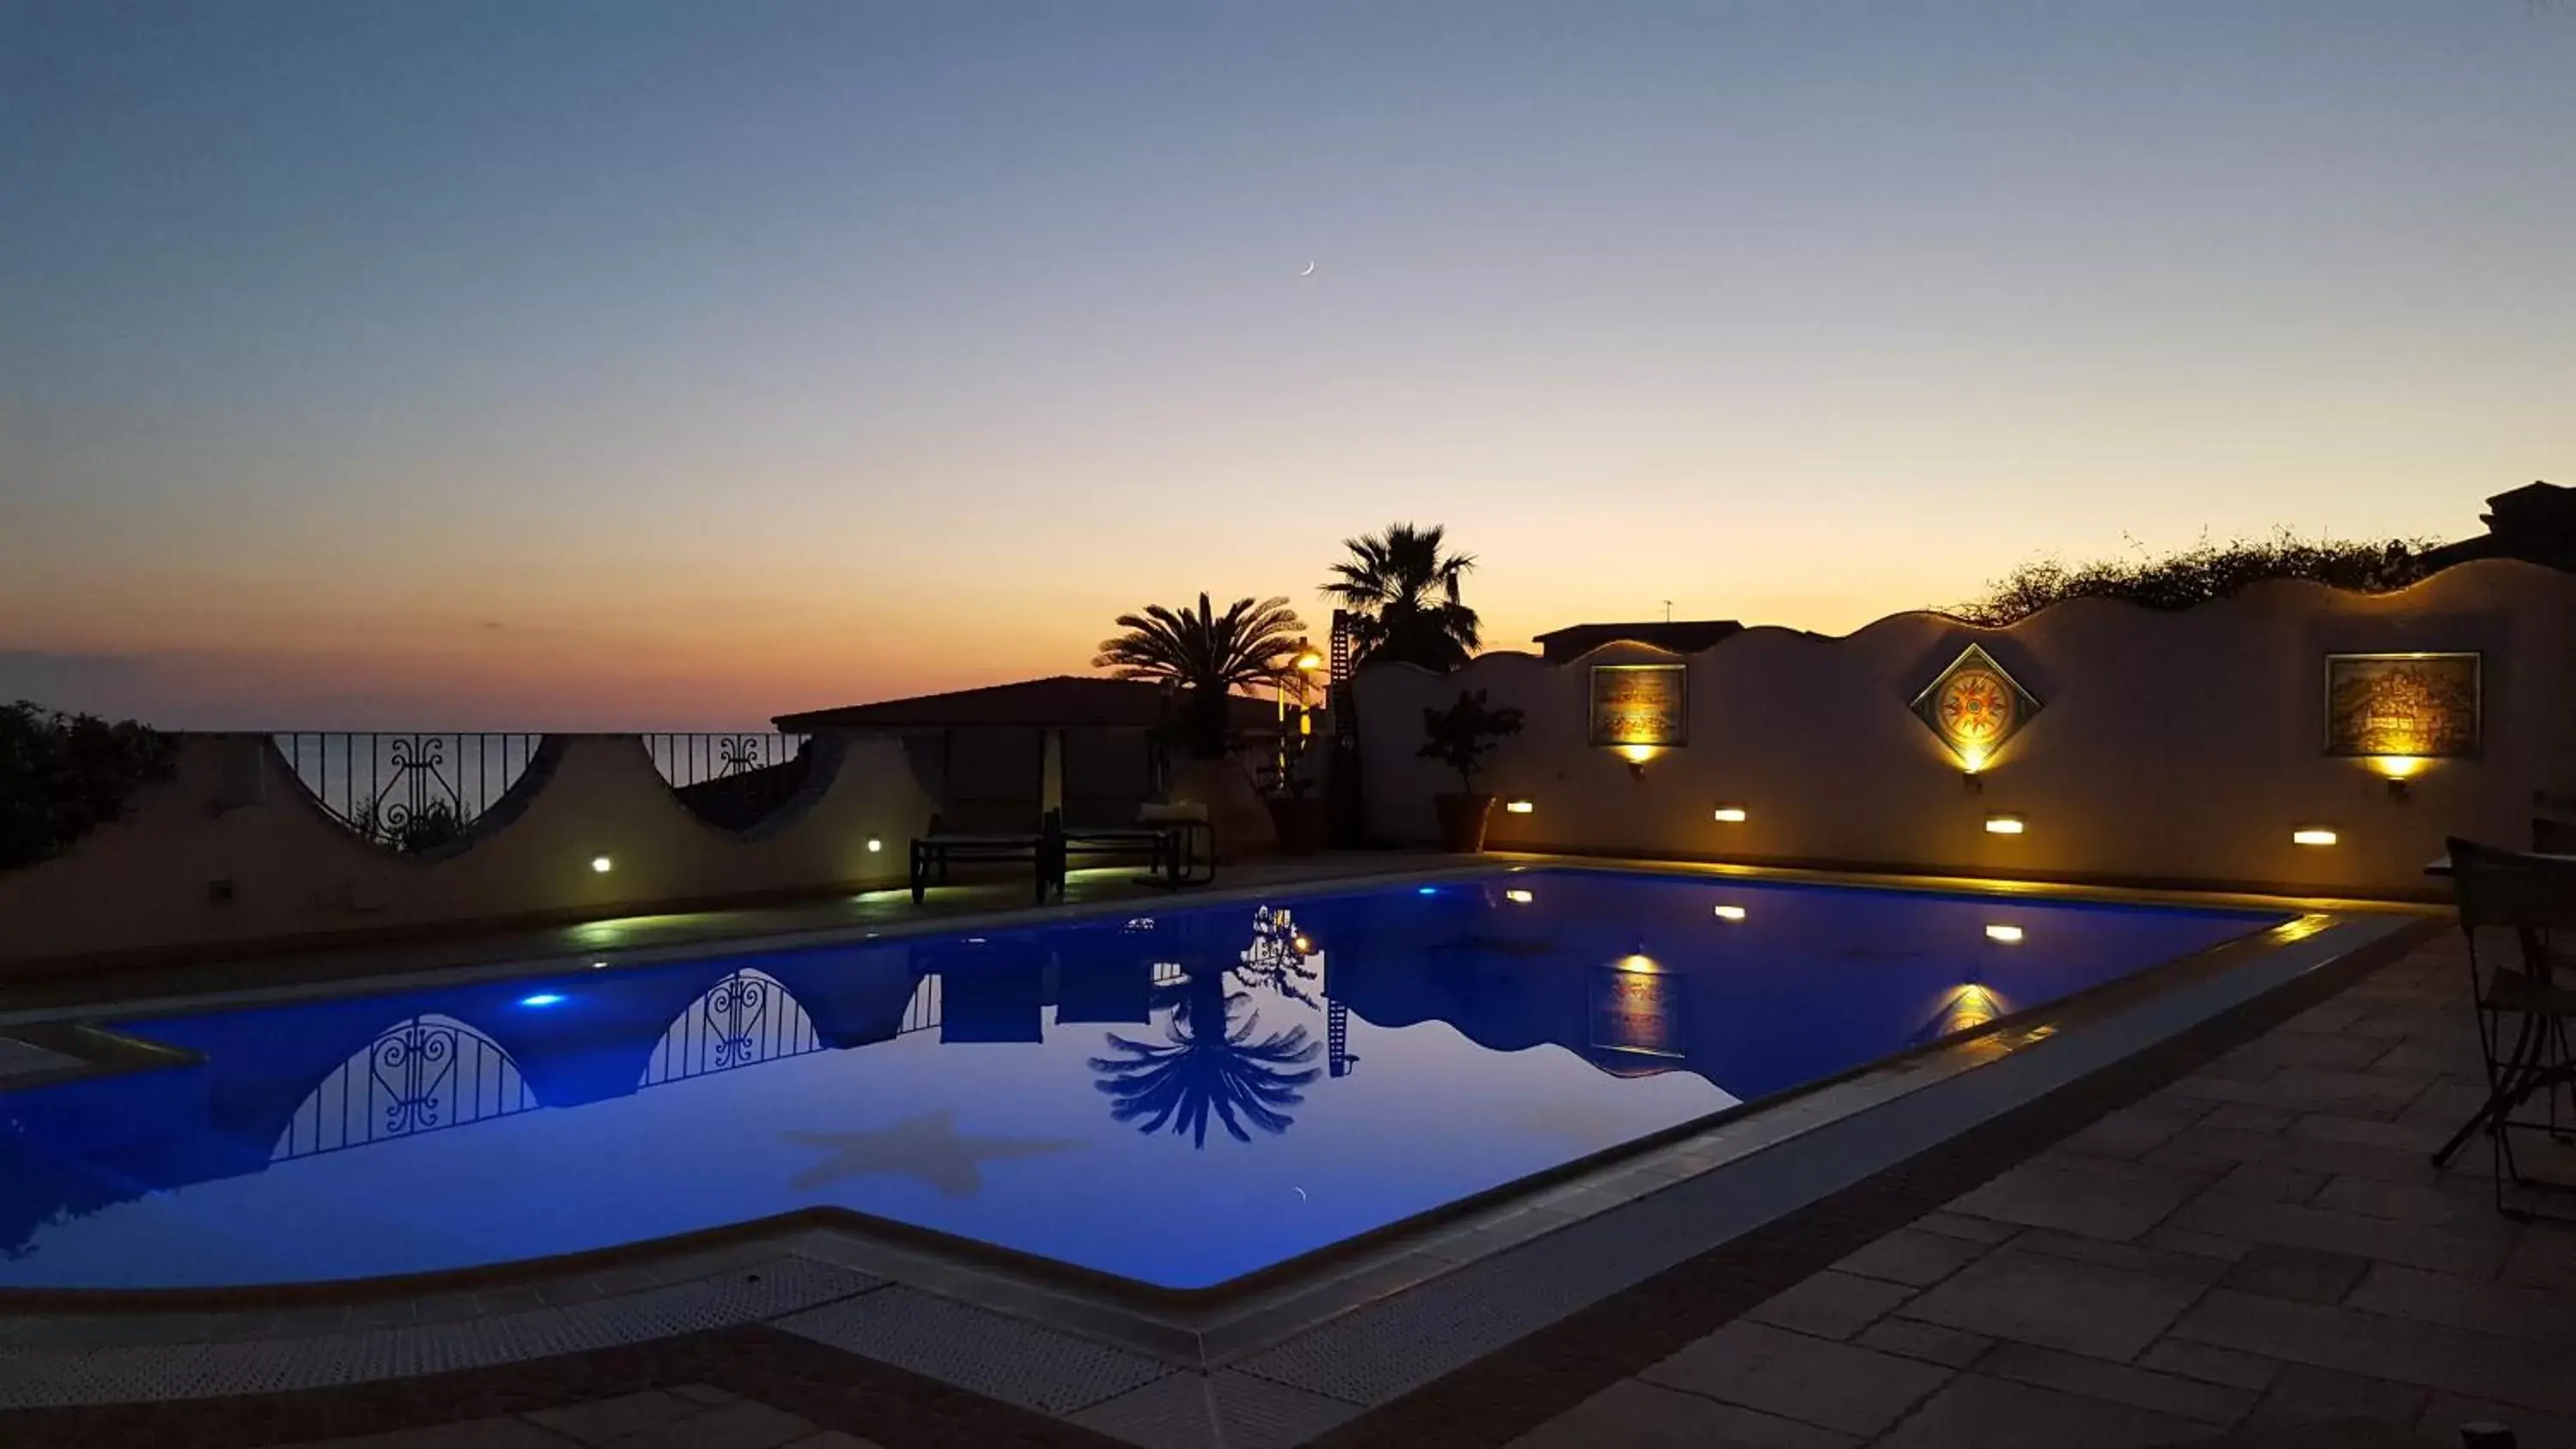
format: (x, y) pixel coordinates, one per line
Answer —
(2531, 897)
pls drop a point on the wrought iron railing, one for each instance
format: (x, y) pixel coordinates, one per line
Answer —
(410, 792)
(746, 1018)
(732, 778)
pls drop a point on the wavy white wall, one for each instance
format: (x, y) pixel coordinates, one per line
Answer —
(2172, 747)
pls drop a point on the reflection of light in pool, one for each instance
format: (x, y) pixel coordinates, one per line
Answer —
(542, 998)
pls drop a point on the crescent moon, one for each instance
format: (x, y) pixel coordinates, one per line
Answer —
(1310, 270)
(1301, 1193)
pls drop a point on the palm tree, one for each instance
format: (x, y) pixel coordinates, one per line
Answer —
(1402, 592)
(1201, 1067)
(1208, 655)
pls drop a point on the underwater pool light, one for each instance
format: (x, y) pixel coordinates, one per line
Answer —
(542, 998)
(1426, 890)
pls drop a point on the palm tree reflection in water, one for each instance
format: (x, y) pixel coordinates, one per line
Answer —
(1207, 1063)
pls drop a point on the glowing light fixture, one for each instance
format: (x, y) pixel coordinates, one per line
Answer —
(1519, 898)
(602, 864)
(1519, 807)
(1310, 660)
(2312, 836)
(598, 965)
(1639, 963)
(1637, 754)
(1426, 890)
(1730, 913)
(1305, 946)
(2398, 767)
(875, 845)
(542, 998)
(1731, 814)
(2006, 934)
(1972, 758)
(2003, 825)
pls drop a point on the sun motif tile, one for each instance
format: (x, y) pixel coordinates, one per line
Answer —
(1974, 706)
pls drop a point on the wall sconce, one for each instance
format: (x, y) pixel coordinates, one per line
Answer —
(1636, 756)
(1519, 807)
(602, 864)
(2008, 935)
(1519, 898)
(2003, 825)
(1972, 764)
(1730, 913)
(2399, 771)
(875, 845)
(2312, 836)
(1730, 814)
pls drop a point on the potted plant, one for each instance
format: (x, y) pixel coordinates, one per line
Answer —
(1460, 737)
(1204, 656)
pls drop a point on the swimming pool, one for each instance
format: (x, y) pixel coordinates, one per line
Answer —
(1178, 1099)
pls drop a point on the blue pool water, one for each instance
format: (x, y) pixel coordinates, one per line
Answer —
(1178, 1099)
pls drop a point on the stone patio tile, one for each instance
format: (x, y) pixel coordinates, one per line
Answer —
(2245, 1117)
(2114, 1200)
(1960, 1225)
(2202, 1245)
(1927, 1341)
(2454, 1204)
(2507, 1310)
(2137, 1128)
(1980, 1412)
(2401, 1136)
(705, 1394)
(2266, 1181)
(1913, 1256)
(2303, 1394)
(602, 1420)
(2210, 1364)
(2445, 1414)
(742, 1424)
(834, 1439)
(2328, 1050)
(2056, 1303)
(1813, 1380)
(2349, 1341)
(469, 1434)
(1643, 1416)
(2313, 1154)
(2544, 1257)
(2139, 1257)
(1830, 1305)
(2329, 1016)
(2303, 1275)
(2445, 1104)
(2470, 1254)
(2141, 1388)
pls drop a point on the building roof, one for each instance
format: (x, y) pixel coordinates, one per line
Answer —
(1064, 701)
(1682, 636)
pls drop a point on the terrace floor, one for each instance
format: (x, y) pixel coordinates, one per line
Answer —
(2235, 1237)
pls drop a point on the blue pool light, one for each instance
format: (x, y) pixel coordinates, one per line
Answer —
(542, 998)
(1426, 890)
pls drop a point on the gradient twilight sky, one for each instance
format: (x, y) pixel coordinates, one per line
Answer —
(630, 364)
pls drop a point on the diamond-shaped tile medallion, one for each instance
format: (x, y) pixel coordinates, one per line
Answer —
(1974, 706)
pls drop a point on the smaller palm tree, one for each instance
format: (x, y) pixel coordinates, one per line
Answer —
(1207, 655)
(1402, 591)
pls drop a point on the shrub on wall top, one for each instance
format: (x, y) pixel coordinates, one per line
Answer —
(61, 775)
(2200, 574)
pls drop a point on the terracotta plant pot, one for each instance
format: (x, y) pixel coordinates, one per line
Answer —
(1462, 822)
(1300, 824)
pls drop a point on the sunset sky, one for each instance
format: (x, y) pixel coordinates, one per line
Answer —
(637, 365)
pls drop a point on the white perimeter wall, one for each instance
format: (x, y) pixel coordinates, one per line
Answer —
(2176, 747)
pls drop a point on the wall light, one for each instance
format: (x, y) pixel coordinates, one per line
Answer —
(875, 845)
(2003, 825)
(2312, 837)
(1519, 898)
(1731, 814)
(1638, 962)
(1519, 807)
(2006, 934)
(1730, 913)
(2398, 771)
(602, 864)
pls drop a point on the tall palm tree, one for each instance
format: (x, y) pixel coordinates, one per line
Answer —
(1207, 655)
(1402, 592)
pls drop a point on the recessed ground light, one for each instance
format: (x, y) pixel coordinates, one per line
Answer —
(598, 965)
(2005, 934)
(1519, 898)
(1731, 814)
(2312, 837)
(2003, 825)
(602, 864)
(1519, 807)
(1730, 913)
